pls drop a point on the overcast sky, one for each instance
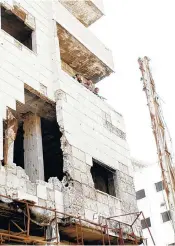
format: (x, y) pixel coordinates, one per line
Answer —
(132, 29)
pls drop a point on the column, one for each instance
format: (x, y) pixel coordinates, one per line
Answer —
(10, 136)
(33, 149)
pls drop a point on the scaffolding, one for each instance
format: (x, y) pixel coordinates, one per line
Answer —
(76, 230)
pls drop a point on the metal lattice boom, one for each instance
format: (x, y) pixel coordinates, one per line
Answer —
(165, 156)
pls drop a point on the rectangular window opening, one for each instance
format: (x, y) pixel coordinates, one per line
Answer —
(166, 216)
(103, 178)
(15, 27)
(145, 223)
(159, 186)
(140, 194)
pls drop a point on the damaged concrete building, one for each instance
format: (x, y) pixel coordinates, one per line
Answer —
(65, 173)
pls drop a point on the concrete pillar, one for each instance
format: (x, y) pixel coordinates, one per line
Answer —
(33, 149)
(10, 136)
(52, 232)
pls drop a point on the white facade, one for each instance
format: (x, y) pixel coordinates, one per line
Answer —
(36, 83)
(153, 204)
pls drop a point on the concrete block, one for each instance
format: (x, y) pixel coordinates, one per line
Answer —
(90, 179)
(11, 169)
(102, 197)
(13, 181)
(111, 201)
(54, 183)
(75, 210)
(60, 209)
(42, 202)
(24, 196)
(89, 160)
(89, 192)
(118, 203)
(4, 193)
(2, 178)
(58, 198)
(41, 192)
(21, 173)
(103, 209)
(77, 175)
(22, 185)
(50, 195)
(84, 178)
(90, 204)
(78, 154)
(31, 188)
(89, 214)
(77, 163)
(50, 204)
(13, 193)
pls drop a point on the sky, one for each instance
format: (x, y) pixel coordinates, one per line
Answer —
(132, 29)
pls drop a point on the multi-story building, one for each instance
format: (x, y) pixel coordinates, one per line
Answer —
(64, 156)
(152, 201)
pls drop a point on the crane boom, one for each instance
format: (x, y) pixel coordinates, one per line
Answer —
(165, 157)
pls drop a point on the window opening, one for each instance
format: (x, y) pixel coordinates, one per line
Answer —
(166, 216)
(159, 186)
(140, 194)
(148, 223)
(103, 178)
(14, 26)
(52, 152)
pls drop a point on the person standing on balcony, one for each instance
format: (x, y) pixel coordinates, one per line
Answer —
(96, 91)
(78, 77)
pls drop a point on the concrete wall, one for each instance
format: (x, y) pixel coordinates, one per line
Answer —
(15, 183)
(151, 205)
(92, 129)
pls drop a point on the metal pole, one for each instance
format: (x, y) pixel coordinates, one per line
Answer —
(56, 227)
(148, 228)
(28, 220)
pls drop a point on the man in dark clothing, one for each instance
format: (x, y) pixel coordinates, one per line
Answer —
(78, 77)
(96, 91)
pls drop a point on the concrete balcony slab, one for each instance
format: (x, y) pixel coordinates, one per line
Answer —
(87, 12)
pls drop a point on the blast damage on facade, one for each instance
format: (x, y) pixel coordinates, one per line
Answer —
(65, 169)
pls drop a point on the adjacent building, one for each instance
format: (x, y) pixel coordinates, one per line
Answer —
(151, 199)
(65, 169)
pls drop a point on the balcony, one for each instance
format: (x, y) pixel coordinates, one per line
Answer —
(80, 49)
(87, 12)
(76, 58)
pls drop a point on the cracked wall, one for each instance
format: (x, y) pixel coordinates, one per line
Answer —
(83, 117)
(16, 184)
